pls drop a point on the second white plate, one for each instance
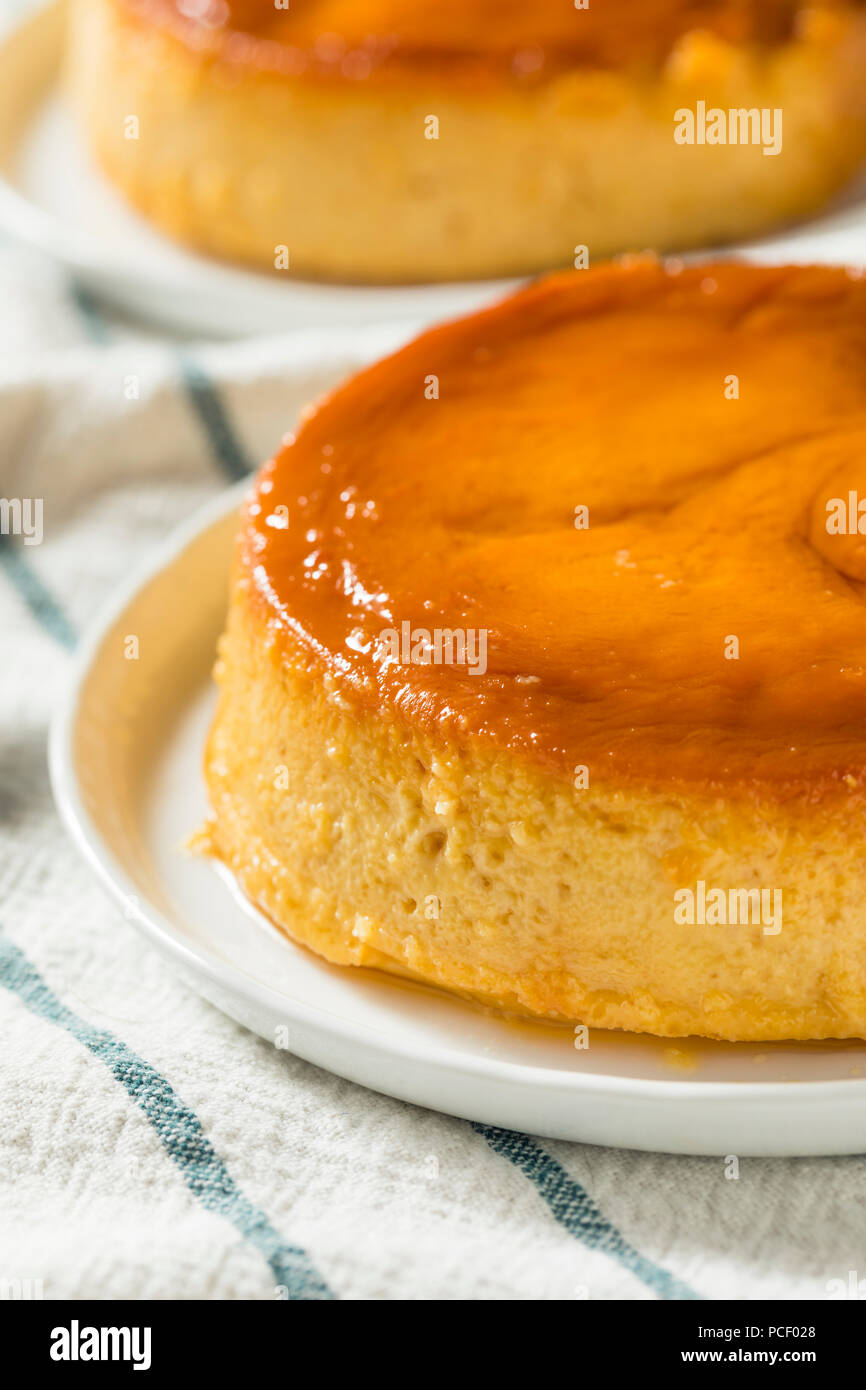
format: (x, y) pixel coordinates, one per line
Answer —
(126, 765)
(52, 197)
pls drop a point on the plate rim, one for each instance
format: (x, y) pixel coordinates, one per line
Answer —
(158, 929)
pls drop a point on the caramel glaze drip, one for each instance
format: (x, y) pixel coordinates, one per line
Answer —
(609, 389)
(356, 38)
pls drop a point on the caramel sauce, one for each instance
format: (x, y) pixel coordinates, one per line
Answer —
(357, 39)
(608, 390)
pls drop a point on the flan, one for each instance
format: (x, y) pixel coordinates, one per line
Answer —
(544, 677)
(406, 140)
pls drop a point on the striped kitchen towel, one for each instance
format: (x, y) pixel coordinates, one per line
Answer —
(149, 1146)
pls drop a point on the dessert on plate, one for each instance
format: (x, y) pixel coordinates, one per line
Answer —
(402, 140)
(544, 676)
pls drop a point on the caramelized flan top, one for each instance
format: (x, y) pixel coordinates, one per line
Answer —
(642, 483)
(357, 38)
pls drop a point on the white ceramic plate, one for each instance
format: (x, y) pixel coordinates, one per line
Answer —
(52, 197)
(126, 766)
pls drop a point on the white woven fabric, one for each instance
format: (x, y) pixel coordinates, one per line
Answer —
(151, 1148)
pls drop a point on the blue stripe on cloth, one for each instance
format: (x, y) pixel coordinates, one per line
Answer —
(208, 406)
(93, 322)
(39, 600)
(574, 1209)
(176, 1126)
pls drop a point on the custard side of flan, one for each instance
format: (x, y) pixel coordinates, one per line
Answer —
(546, 627)
(398, 141)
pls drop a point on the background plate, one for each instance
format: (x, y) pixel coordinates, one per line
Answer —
(52, 197)
(126, 766)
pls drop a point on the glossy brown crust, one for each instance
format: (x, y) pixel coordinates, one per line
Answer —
(357, 39)
(607, 389)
